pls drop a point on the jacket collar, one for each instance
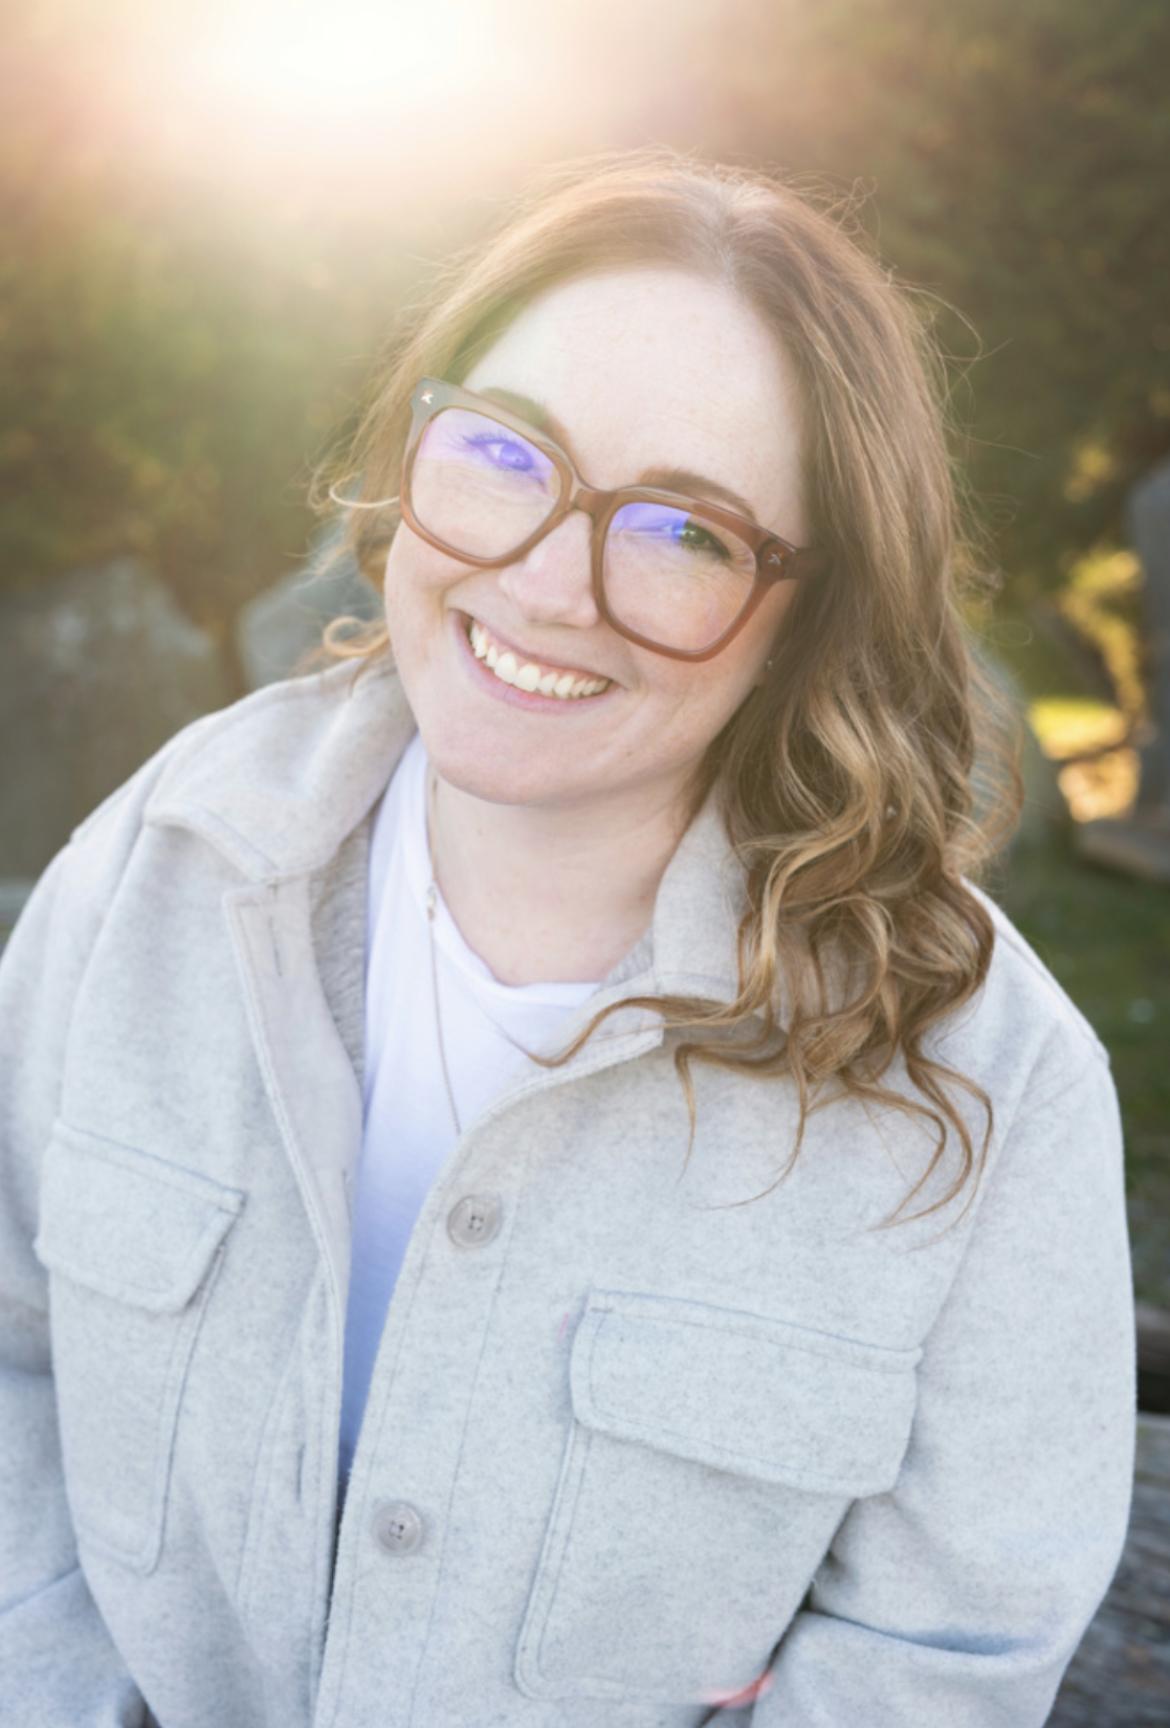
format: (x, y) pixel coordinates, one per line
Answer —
(278, 781)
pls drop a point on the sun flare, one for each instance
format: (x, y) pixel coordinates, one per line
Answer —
(353, 61)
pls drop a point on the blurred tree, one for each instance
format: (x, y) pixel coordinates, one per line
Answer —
(172, 356)
(162, 386)
(1018, 158)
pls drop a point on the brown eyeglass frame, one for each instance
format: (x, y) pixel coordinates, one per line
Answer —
(777, 560)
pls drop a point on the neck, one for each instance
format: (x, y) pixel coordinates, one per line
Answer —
(547, 894)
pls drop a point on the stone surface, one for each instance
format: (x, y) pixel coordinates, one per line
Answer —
(1045, 810)
(1147, 1180)
(1120, 1676)
(13, 894)
(281, 625)
(1153, 1330)
(1138, 845)
(98, 668)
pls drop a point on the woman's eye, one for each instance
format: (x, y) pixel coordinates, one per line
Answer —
(511, 454)
(702, 540)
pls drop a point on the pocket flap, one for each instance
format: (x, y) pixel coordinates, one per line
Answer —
(744, 1392)
(128, 1224)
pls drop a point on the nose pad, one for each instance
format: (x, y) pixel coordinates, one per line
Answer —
(553, 582)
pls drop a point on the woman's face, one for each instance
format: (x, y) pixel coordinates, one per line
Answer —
(643, 369)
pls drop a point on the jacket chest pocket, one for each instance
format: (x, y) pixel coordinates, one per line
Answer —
(132, 1245)
(711, 1455)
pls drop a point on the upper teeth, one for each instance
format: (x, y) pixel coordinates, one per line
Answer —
(528, 676)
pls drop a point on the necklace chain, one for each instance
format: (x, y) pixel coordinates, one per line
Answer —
(431, 901)
(435, 998)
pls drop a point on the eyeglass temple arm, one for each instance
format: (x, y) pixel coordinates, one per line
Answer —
(805, 561)
(358, 504)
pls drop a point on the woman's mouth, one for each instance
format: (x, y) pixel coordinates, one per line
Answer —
(519, 680)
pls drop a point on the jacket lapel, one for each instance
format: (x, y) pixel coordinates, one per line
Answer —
(284, 787)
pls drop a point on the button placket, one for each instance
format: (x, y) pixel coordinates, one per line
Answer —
(396, 1525)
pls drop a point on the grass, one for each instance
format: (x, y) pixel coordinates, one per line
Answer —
(1105, 936)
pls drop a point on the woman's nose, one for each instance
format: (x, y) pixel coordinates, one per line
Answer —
(553, 582)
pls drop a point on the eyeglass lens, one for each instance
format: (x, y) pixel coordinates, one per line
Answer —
(670, 575)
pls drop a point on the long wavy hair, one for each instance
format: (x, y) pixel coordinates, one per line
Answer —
(875, 774)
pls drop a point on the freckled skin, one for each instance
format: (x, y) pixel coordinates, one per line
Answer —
(550, 834)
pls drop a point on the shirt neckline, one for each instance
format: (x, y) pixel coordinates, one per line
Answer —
(448, 936)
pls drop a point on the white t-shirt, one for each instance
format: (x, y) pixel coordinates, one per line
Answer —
(409, 1130)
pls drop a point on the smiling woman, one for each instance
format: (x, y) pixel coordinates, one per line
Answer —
(666, 325)
(382, 1340)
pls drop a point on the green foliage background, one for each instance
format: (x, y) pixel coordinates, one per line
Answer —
(171, 359)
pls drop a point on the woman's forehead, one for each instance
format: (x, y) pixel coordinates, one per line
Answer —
(643, 367)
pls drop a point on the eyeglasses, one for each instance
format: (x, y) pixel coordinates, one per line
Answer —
(677, 575)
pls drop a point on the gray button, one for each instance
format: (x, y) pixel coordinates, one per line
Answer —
(396, 1526)
(474, 1220)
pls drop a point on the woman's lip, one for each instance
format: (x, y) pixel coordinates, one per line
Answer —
(523, 655)
(493, 686)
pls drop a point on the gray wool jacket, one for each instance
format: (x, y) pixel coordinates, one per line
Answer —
(641, 1441)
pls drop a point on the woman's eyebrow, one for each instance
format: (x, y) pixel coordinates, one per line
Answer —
(672, 479)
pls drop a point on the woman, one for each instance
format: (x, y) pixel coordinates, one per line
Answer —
(462, 1112)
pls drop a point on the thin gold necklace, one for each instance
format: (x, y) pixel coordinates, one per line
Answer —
(431, 898)
(435, 998)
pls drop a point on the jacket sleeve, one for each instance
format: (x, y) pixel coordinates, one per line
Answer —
(59, 1667)
(960, 1596)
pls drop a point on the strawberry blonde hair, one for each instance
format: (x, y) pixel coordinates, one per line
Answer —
(849, 779)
